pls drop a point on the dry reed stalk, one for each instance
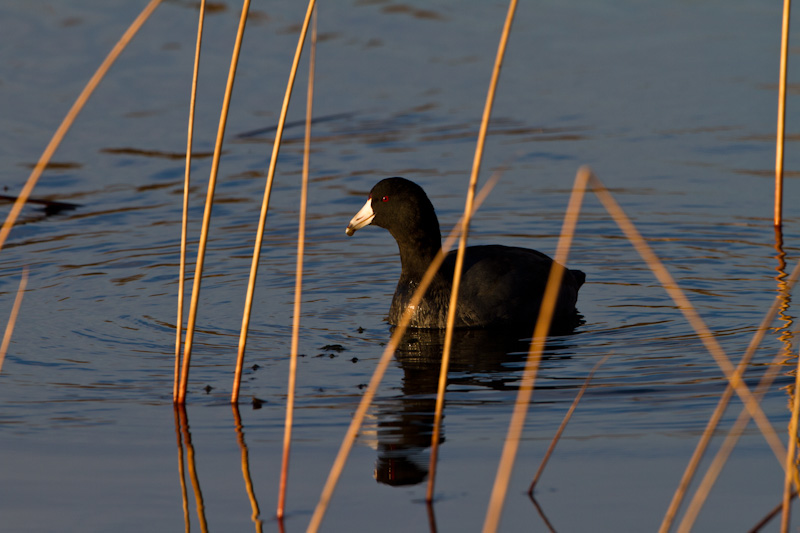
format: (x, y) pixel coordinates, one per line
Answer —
(690, 313)
(730, 441)
(791, 454)
(734, 376)
(787, 5)
(736, 431)
(380, 368)
(248, 480)
(248, 305)
(185, 218)
(462, 245)
(713, 422)
(298, 290)
(12, 319)
(212, 182)
(702, 331)
(190, 460)
(540, 332)
(769, 516)
(563, 425)
(65, 125)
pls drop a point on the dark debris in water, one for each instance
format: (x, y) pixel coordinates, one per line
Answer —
(208, 389)
(258, 402)
(50, 207)
(354, 360)
(333, 348)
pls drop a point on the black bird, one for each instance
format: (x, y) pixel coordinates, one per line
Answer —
(501, 286)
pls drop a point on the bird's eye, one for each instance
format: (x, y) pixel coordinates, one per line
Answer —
(385, 199)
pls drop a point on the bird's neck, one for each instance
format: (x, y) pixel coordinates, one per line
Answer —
(417, 250)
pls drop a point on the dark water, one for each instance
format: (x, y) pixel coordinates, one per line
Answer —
(673, 106)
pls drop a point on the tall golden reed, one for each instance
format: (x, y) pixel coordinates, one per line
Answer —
(515, 426)
(787, 5)
(212, 182)
(462, 244)
(563, 425)
(12, 319)
(298, 291)
(185, 217)
(791, 453)
(704, 334)
(690, 313)
(713, 422)
(69, 119)
(715, 468)
(584, 178)
(248, 305)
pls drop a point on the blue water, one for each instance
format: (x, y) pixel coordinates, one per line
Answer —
(673, 105)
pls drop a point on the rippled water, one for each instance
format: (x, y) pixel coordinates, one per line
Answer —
(672, 105)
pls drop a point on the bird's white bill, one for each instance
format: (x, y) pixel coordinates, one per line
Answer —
(362, 218)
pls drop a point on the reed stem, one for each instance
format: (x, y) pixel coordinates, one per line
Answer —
(248, 305)
(12, 319)
(69, 119)
(462, 245)
(791, 453)
(711, 475)
(704, 334)
(697, 323)
(708, 432)
(185, 218)
(298, 291)
(787, 5)
(563, 425)
(515, 426)
(212, 183)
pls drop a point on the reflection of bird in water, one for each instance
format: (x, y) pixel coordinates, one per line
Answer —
(501, 286)
(479, 358)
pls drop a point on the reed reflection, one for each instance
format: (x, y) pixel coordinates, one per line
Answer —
(480, 358)
(784, 331)
(539, 510)
(186, 462)
(185, 438)
(248, 481)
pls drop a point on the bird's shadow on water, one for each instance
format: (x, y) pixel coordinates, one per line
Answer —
(479, 359)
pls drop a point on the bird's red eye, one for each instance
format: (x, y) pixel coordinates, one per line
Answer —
(385, 199)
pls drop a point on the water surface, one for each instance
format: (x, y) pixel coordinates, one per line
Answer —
(673, 106)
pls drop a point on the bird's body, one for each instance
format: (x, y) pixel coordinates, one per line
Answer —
(501, 286)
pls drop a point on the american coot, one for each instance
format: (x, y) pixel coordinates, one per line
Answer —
(501, 286)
